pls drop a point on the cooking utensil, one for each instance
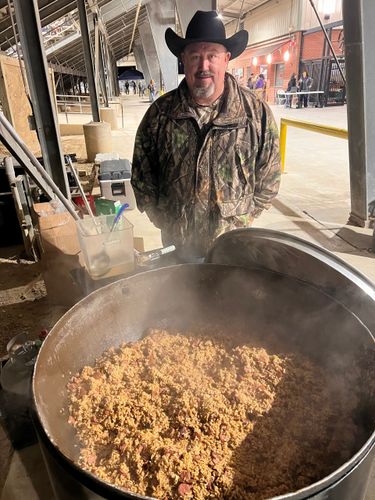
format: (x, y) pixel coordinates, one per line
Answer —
(101, 263)
(80, 188)
(143, 258)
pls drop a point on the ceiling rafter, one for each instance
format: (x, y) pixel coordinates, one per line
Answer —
(118, 22)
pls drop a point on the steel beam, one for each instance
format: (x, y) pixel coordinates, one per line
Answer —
(88, 60)
(62, 43)
(161, 15)
(141, 60)
(107, 67)
(60, 68)
(29, 29)
(368, 11)
(102, 72)
(149, 52)
(186, 10)
(360, 73)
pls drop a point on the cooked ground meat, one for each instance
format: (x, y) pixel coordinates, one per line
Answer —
(195, 416)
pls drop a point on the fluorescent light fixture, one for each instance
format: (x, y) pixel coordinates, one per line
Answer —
(286, 56)
(327, 7)
(255, 61)
(269, 59)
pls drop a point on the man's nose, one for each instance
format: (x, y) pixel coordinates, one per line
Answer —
(204, 63)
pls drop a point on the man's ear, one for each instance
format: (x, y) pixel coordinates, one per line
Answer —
(227, 57)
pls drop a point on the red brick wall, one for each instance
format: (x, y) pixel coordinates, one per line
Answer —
(339, 51)
(244, 61)
(313, 44)
(312, 49)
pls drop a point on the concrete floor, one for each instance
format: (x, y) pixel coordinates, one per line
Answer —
(313, 203)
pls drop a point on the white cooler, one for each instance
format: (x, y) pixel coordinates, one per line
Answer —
(114, 180)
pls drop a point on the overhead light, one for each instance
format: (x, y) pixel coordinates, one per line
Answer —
(327, 7)
(269, 59)
(286, 56)
(255, 61)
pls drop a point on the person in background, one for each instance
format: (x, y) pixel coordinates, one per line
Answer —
(134, 85)
(260, 82)
(151, 89)
(304, 85)
(251, 82)
(260, 86)
(126, 87)
(206, 155)
(292, 87)
(141, 88)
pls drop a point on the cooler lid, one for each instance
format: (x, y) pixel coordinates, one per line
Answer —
(115, 169)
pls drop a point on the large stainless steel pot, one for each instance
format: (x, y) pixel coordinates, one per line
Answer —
(314, 302)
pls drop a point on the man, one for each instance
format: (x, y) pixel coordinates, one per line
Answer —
(206, 156)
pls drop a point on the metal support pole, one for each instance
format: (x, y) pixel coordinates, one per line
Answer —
(102, 72)
(88, 60)
(328, 41)
(29, 30)
(109, 66)
(360, 70)
(96, 51)
(135, 25)
(106, 69)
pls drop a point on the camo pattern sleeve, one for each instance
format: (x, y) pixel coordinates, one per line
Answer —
(145, 168)
(268, 168)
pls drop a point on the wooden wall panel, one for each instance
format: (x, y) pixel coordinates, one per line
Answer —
(15, 103)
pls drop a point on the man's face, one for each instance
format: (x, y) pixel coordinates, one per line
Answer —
(205, 65)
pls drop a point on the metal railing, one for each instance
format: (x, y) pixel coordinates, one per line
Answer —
(341, 133)
(66, 103)
(82, 104)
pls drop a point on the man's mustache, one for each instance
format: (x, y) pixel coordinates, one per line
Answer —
(203, 74)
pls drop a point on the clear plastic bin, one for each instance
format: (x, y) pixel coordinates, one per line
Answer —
(106, 253)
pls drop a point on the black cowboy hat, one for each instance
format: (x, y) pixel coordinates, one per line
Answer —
(206, 27)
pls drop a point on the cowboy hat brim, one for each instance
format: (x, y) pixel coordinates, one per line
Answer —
(235, 44)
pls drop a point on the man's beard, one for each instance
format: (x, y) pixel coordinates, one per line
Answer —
(203, 92)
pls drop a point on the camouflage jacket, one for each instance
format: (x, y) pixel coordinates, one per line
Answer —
(196, 183)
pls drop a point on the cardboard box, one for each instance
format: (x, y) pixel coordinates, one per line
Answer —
(61, 254)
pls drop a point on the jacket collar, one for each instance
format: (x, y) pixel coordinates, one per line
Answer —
(231, 108)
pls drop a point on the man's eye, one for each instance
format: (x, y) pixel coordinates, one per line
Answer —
(212, 57)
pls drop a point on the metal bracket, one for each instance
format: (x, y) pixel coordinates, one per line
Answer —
(17, 185)
(17, 152)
